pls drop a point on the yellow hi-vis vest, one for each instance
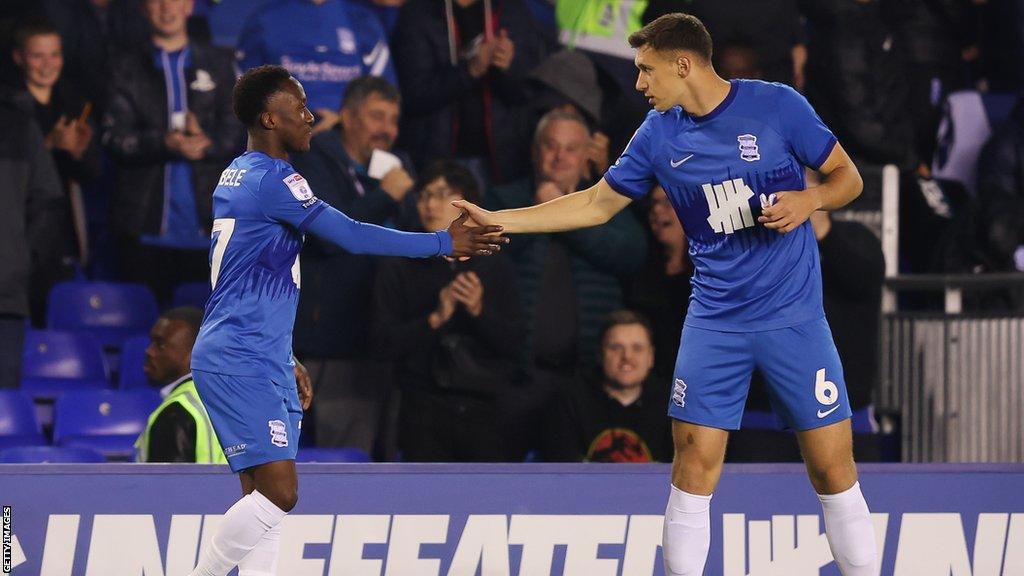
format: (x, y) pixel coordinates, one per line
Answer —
(208, 450)
(599, 25)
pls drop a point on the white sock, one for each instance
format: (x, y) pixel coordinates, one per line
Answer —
(687, 536)
(243, 527)
(262, 560)
(851, 536)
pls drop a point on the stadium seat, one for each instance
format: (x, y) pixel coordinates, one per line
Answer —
(50, 455)
(133, 355)
(55, 362)
(191, 294)
(18, 423)
(112, 312)
(106, 420)
(324, 455)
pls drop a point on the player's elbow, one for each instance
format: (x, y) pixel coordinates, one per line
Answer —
(856, 183)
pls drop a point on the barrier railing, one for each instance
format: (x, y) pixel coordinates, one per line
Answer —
(956, 380)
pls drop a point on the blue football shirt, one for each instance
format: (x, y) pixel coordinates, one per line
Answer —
(261, 208)
(717, 170)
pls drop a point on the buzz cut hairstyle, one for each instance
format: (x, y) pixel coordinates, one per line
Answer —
(360, 89)
(31, 28)
(626, 318)
(254, 89)
(674, 31)
(190, 315)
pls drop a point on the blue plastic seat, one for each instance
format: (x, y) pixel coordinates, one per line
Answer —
(324, 455)
(133, 357)
(18, 423)
(107, 421)
(50, 455)
(55, 362)
(112, 312)
(191, 294)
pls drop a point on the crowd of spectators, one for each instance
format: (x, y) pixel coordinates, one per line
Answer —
(118, 123)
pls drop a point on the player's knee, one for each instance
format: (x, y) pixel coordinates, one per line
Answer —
(833, 477)
(284, 497)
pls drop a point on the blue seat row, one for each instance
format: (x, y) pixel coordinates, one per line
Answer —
(107, 421)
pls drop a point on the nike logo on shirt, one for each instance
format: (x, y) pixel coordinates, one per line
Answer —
(827, 412)
(677, 164)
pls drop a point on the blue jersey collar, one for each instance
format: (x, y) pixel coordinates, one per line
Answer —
(733, 88)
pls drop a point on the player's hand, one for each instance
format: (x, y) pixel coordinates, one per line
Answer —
(305, 385)
(790, 210)
(474, 240)
(477, 215)
(469, 290)
(396, 183)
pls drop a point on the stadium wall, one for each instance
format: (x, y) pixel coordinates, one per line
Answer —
(505, 520)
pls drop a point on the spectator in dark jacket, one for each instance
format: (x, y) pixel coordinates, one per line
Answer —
(63, 115)
(856, 81)
(1001, 194)
(454, 330)
(463, 82)
(334, 305)
(661, 290)
(619, 414)
(94, 32)
(29, 190)
(171, 130)
(569, 281)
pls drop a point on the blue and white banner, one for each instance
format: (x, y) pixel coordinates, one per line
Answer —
(505, 520)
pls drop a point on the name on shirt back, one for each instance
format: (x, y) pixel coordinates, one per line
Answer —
(231, 177)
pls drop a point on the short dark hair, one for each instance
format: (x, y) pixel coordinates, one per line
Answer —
(456, 175)
(31, 28)
(625, 318)
(190, 315)
(363, 87)
(674, 31)
(254, 89)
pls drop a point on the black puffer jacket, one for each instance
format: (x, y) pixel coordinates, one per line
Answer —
(29, 190)
(136, 123)
(1001, 191)
(855, 80)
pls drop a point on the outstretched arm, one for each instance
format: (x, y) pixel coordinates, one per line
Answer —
(591, 207)
(361, 238)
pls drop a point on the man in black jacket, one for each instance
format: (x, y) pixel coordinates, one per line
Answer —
(29, 190)
(170, 129)
(454, 330)
(334, 305)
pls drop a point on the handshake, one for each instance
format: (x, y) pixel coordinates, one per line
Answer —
(471, 239)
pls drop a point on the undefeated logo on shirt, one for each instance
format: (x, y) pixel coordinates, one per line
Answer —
(729, 205)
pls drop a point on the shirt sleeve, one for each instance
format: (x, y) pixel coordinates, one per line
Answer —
(809, 139)
(286, 197)
(632, 175)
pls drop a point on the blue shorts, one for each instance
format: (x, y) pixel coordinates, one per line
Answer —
(800, 364)
(256, 420)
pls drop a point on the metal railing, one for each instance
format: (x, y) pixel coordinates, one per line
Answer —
(956, 380)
